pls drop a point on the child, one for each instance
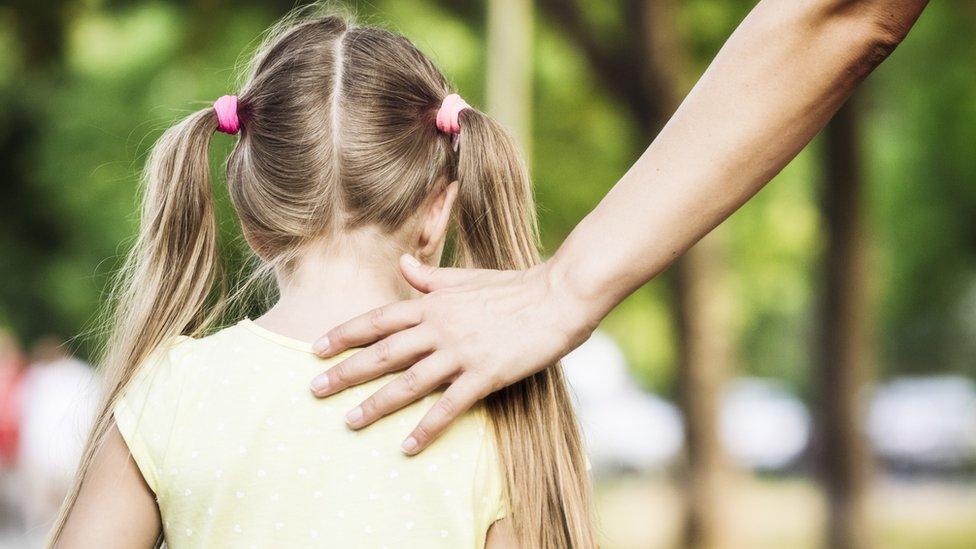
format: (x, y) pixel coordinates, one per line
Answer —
(352, 150)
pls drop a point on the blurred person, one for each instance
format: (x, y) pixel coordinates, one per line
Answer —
(353, 150)
(61, 395)
(12, 371)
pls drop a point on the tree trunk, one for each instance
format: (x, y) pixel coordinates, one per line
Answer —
(845, 351)
(510, 67)
(652, 48)
(700, 305)
(41, 31)
(40, 232)
(705, 355)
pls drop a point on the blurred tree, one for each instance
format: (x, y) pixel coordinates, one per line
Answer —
(648, 72)
(921, 170)
(509, 77)
(701, 309)
(40, 29)
(33, 232)
(705, 360)
(844, 351)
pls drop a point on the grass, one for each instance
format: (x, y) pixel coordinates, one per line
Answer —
(645, 512)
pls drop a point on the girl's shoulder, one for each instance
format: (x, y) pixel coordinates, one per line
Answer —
(181, 357)
(146, 402)
(154, 406)
(160, 368)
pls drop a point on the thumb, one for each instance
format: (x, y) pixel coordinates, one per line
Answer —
(427, 279)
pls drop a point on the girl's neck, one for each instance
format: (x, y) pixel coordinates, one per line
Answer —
(326, 288)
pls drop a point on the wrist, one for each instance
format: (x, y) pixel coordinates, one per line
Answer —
(578, 304)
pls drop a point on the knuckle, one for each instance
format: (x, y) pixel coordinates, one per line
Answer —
(427, 303)
(382, 351)
(446, 407)
(339, 375)
(338, 335)
(422, 433)
(376, 318)
(410, 381)
(464, 356)
(371, 406)
(492, 381)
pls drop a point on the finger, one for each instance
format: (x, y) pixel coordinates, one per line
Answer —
(393, 353)
(411, 385)
(427, 279)
(457, 399)
(369, 327)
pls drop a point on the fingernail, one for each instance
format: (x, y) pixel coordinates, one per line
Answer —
(409, 446)
(321, 345)
(320, 384)
(412, 261)
(354, 416)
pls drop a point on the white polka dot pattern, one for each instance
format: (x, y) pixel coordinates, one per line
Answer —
(251, 457)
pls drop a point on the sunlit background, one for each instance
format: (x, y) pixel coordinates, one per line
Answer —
(804, 377)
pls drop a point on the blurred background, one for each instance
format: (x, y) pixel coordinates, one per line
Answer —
(803, 377)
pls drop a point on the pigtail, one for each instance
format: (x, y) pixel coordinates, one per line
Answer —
(169, 284)
(538, 439)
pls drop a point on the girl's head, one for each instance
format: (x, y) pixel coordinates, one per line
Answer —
(338, 133)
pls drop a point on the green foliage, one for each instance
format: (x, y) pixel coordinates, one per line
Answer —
(922, 171)
(74, 134)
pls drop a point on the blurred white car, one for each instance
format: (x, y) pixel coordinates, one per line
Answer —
(763, 425)
(925, 422)
(625, 428)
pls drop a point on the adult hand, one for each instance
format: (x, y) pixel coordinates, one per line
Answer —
(453, 335)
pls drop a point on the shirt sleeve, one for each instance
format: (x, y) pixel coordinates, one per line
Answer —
(146, 410)
(491, 481)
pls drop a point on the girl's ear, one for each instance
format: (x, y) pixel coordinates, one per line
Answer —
(435, 222)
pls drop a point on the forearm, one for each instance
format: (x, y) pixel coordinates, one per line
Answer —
(777, 81)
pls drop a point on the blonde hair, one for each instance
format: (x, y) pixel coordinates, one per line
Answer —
(337, 132)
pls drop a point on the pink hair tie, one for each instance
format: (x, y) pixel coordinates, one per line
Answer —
(449, 115)
(226, 109)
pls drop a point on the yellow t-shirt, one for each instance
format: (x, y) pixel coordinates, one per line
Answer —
(240, 454)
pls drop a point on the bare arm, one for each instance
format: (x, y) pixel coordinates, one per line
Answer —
(501, 535)
(115, 508)
(780, 77)
(777, 81)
